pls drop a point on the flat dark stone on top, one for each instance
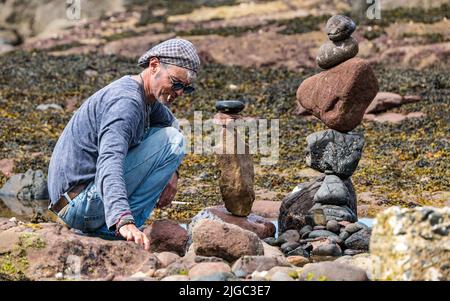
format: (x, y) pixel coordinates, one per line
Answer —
(229, 106)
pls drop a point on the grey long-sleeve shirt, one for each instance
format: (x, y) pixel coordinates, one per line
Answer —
(96, 140)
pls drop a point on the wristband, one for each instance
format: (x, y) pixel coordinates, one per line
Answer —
(124, 221)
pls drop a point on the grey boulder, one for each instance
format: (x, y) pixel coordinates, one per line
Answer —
(335, 152)
(334, 191)
(31, 185)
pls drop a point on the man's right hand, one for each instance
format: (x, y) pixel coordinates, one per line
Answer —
(131, 233)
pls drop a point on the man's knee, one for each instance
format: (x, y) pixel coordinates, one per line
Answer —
(175, 139)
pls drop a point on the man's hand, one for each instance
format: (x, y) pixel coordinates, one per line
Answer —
(131, 233)
(168, 193)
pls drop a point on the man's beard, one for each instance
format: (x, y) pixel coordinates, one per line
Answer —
(167, 101)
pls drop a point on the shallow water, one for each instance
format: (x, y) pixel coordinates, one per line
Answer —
(23, 210)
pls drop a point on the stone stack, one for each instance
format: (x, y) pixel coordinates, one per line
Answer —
(236, 167)
(323, 210)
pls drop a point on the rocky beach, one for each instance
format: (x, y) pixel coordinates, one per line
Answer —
(360, 190)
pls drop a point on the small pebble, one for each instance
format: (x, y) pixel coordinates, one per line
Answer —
(333, 226)
(344, 235)
(271, 241)
(305, 229)
(352, 228)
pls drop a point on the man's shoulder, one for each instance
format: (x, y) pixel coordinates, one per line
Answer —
(123, 92)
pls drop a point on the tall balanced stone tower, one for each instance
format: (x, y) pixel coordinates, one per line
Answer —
(235, 165)
(338, 97)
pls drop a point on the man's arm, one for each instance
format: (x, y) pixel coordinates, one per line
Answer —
(119, 124)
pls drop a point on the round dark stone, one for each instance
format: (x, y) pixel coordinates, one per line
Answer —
(333, 226)
(331, 54)
(305, 229)
(339, 28)
(271, 241)
(289, 246)
(305, 235)
(337, 240)
(344, 235)
(359, 240)
(321, 233)
(354, 227)
(327, 250)
(300, 251)
(229, 106)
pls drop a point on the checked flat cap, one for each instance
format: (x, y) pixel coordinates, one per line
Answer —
(178, 52)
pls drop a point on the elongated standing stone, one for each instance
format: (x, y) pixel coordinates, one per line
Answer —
(234, 162)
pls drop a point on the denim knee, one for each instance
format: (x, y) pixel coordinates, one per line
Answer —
(176, 139)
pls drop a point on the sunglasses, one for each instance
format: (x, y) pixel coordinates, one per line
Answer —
(178, 85)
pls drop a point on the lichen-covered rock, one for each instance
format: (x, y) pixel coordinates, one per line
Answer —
(411, 244)
(227, 241)
(50, 251)
(360, 260)
(333, 151)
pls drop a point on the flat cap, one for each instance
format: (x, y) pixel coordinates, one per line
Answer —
(178, 52)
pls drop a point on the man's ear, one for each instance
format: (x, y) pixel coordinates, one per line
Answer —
(154, 65)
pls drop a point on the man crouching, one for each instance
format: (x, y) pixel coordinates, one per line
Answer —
(118, 156)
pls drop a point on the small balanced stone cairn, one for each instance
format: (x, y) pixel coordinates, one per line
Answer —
(236, 166)
(322, 214)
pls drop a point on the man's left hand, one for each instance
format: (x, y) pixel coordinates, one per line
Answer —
(168, 194)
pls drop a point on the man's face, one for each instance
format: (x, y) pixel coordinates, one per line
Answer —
(163, 83)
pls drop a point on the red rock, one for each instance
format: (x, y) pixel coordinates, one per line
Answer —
(71, 104)
(393, 117)
(254, 223)
(167, 235)
(340, 96)
(52, 249)
(208, 268)
(7, 166)
(227, 241)
(268, 209)
(332, 271)
(386, 100)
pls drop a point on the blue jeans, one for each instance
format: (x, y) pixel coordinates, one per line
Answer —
(148, 167)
